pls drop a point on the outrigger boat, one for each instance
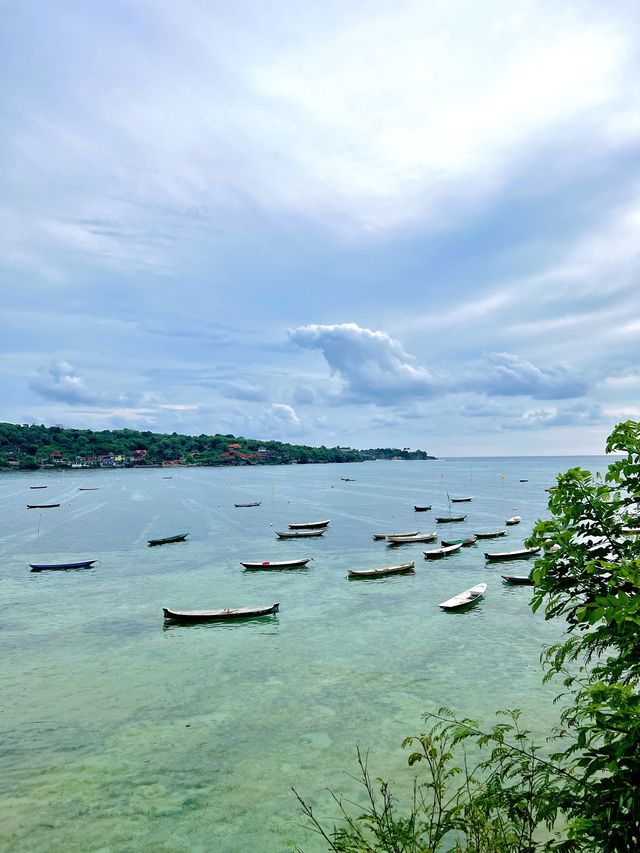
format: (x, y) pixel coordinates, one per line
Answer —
(310, 525)
(470, 540)
(299, 534)
(436, 553)
(254, 503)
(515, 519)
(41, 506)
(400, 569)
(280, 564)
(378, 536)
(522, 554)
(58, 567)
(180, 537)
(187, 616)
(490, 534)
(422, 508)
(464, 598)
(417, 537)
(523, 580)
(450, 519)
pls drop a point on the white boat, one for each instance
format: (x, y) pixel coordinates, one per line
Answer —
(299, 534)
(401, 569)
(219, 615)
(515, 519)
(310, 525)
(522, 554)
(436, 553)
(378, 536)
(464, 598)
(279, 564)
(416, 537)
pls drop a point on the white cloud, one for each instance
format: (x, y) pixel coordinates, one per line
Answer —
(61, 382)
(506, 374)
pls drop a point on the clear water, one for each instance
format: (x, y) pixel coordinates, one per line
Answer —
(121, 734)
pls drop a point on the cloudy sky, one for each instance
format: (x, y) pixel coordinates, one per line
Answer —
(366, 223)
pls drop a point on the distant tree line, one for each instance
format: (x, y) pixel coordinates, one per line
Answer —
(32, 446)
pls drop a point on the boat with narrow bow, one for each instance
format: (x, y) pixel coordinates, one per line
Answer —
(460, 500)
(521, 580)
(417, 537)
(59, 567)
(463, 599)
(522, 554)
(437, 553)
(276, 564)
(450, 519)
(470, 540)
(490, 534)
(168, 540)
(515, 519)
(384, 571)
(422, 508)
(299, 534)
(227, 613)
(378, 536)
(253, 503)
(310, 525)
(41, 506)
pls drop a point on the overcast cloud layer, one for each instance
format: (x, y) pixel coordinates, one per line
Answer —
(400, 223)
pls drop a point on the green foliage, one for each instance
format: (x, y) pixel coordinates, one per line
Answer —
(585, 796)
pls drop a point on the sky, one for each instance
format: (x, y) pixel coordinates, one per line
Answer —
(380, 223)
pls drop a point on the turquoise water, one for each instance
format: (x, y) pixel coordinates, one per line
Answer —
(122, 734)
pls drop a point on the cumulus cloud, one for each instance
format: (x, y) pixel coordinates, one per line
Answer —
(61, 382)
(508, 375)
(373, 366)
(284, 414)
(239, 389)
(557, 416)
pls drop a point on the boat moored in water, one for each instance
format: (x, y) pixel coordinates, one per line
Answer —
(188, 616)
(416, 537)
(522, 554)
(378, 536)
(436, 553)
(300, 534)
(41, 506)
(515, 519)
(279, 564)
(465, 598)
(470, 540)
(522, 580)
(310, 525)
(450, 519)
(168, 540)
(490, 534)
(384, 571)
(253, 503)
(422, 508)
(460, 500)
(59, 567)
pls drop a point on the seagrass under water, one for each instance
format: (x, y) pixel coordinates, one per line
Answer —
(123, 734)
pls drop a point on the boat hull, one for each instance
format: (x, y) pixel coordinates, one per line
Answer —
(191, 616)
(279, 564)
(255, 503)
(464, 599)
(451, 520)
(383, 572)
(42, 506)
(492, 534)
(61, 567)
(524, 554)
(310, 525)
(517, 580)
(168, 540)
(421, 508)
(299, 534)
(437, 553)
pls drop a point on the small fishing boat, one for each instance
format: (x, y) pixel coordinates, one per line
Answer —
(450, 519)
(254, 503)
(310, 525)
(436, 553)
(470, 540)
(515, 519)
(378, 536)
(630, 531)
(58, 567)
(460, 500)
(88, 488)
(167, 478)
(522, 554)
(187, 616)
(524, 481)
(523, 580)
(422, 508)
(490, 534)
(41, 506)
(167, 540)
(348, 479)
(417, 537)
(464, 598)
(38, 487)
(280, 564)
(400, 569)
(299, 534)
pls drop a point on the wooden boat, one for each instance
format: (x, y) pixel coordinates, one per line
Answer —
(465, 598)
(422, 508)
(524, 481)
(400, 569)
(522, 554)
(523, 580)
(378, 536)
(460, 500)
(180, 537)
(41, 506)
(417, 537)
(280, 564)
(470, 540)
(515, 519)
(436, 553)
(630, 531)
(450, 519)
(88, 488)
(38, 487)
(187, 616)
(299, 534)
(490, 534)
(310, 525)
(348, 479)
(167, 478)
(58, 567)
(254, 503)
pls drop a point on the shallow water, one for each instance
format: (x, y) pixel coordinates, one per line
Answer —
(123, 734)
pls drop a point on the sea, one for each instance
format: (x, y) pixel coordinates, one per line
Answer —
(123, 733)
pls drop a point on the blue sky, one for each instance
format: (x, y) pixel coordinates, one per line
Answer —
(367, 224)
